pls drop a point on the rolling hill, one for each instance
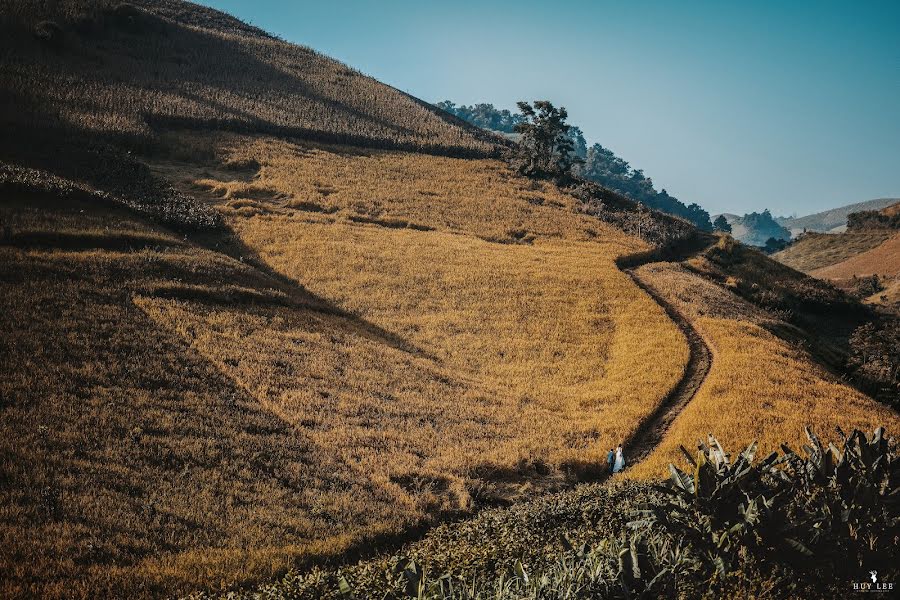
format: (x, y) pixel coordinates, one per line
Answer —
(266, 315)
(815, 251)
(865, 259)
(833, 220)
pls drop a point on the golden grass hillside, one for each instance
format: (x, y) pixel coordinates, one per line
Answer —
(819, 250)
(131, 466)
(882, 260)
(107, 70)
(497, 277)
(759, 387)
(176, 417)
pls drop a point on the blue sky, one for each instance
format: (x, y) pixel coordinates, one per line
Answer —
(738, 106)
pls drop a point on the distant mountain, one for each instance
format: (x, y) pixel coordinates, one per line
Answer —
(832, 220)
(756, 228)
(600, 165)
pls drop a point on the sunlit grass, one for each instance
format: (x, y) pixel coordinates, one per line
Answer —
(759, 388)
(176, 419)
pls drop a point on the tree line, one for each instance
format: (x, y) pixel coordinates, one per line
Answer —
(594, 163)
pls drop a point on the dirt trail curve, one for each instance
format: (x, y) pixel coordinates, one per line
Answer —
(652, 430)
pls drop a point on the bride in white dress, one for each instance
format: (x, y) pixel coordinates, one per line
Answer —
(620, 460)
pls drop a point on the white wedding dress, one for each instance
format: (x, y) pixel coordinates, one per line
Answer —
(620, 462)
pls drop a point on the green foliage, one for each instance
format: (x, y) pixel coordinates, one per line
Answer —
(721, 526)
(722, 224)
(604, 167)
(762, 226)
(484, 115)
(774, 245)
(600, 165)
(547, 149)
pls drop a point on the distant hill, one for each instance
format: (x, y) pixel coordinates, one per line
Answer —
(755, 228)
(882, 260)
(887, 218)
(832, 219)
(861, 249)
(600, 165)
(814, 250)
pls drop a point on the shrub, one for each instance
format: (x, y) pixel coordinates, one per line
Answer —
(875, 357)
(723, 527)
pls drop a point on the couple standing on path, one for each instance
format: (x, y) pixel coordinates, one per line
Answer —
(615, 462)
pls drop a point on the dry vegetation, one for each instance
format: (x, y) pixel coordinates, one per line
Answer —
(201, 423)
(374, 340)
(121, 72)
(817, 250)
(760, 387)
(883, 260)
(545, 319)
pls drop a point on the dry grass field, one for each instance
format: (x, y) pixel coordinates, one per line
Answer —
(125, 71)
(498, 278)
(759, 388)
(178, 417)
(882, 260)
(816, 251)
(343, 324)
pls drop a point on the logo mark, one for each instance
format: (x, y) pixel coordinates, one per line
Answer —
(875, 586)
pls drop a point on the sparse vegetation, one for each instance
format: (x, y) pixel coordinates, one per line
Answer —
(264, 315)
(709, 532)
(287, 469)
(868, 220)
(883, 259)
(812, 251)
(600, 165)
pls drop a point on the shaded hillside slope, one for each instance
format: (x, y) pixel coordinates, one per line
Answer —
(831, 219)
(123, 72)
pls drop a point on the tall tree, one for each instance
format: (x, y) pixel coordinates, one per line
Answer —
(722, 224)
(547, 147)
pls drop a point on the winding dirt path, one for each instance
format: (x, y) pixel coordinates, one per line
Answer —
(650, 433)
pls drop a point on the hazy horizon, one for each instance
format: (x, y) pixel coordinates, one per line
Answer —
(737, 108)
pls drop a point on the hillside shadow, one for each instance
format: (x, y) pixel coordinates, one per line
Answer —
(226, 241)
(223, 84)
